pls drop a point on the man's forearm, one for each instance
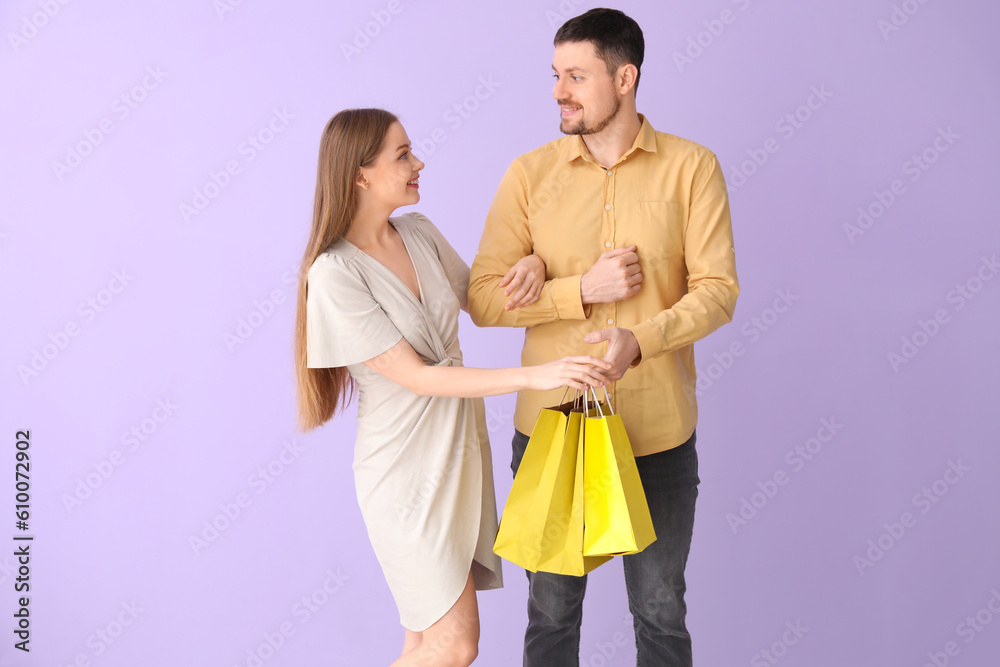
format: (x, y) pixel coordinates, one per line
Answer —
(696, 315)
(559, 299)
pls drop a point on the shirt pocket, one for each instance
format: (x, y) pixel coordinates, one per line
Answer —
(659, 232)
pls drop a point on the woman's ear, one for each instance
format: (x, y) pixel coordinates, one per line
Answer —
(361, 181)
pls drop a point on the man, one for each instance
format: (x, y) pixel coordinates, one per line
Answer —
(634, 228)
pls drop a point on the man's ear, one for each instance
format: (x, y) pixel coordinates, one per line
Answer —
(626, 77)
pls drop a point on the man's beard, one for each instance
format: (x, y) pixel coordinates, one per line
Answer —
(582, 127)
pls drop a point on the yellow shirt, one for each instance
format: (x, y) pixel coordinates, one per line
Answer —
(667, 196)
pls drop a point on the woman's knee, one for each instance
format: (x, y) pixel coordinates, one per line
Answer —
(465, 653)
(459, 652)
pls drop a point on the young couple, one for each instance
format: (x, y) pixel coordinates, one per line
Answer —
(633, 250)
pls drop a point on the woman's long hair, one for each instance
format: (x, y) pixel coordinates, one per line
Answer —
(351, 139)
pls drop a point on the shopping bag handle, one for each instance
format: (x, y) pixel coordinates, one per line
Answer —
(577, 395)
(597, 403)
(608, 399)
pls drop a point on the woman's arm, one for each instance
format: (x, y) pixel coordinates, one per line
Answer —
(402, 365)
(524, 282)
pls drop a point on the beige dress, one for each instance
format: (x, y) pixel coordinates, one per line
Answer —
(422, 465)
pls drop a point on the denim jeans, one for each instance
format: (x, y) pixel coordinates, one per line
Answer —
(654, 578)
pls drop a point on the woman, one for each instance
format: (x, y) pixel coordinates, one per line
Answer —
(378, 311)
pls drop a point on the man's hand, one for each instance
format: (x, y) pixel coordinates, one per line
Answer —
(622, 350)
(615, 276)
(524, 282)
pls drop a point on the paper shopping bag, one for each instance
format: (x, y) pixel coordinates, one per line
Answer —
(617, 519)
(541, 528)
(562, 551)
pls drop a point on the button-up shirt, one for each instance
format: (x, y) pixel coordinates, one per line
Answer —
(665, 195)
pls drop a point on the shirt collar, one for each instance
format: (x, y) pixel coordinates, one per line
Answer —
(645, 140)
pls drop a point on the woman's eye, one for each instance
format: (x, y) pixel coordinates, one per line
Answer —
(403, 156)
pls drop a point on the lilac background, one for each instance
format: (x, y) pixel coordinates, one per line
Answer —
(228, 67)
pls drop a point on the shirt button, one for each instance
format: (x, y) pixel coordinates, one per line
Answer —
(607, 207)
(607, 244)
(611, 321)
(610, 173)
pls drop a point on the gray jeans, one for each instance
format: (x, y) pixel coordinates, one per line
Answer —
(654, 578)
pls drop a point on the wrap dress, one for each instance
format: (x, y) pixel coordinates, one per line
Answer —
(422, 465)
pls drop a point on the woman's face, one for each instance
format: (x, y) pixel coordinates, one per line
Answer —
(392, 179)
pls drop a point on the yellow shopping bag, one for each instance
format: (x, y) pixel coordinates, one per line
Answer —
(616, 516)
(541, 528)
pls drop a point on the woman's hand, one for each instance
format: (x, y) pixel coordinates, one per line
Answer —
(579, 372)
(524, 282)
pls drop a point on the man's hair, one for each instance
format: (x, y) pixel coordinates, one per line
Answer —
(616, 37)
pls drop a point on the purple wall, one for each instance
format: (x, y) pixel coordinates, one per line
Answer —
(157, 188)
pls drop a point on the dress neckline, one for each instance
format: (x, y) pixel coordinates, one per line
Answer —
(418, 298)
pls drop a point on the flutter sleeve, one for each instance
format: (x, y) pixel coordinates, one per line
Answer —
(344, 323)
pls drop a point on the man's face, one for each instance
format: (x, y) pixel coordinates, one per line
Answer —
(584, 89)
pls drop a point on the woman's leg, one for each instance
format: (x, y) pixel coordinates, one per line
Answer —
(451, 642)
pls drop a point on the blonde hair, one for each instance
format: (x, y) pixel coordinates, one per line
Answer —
(351, 139)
